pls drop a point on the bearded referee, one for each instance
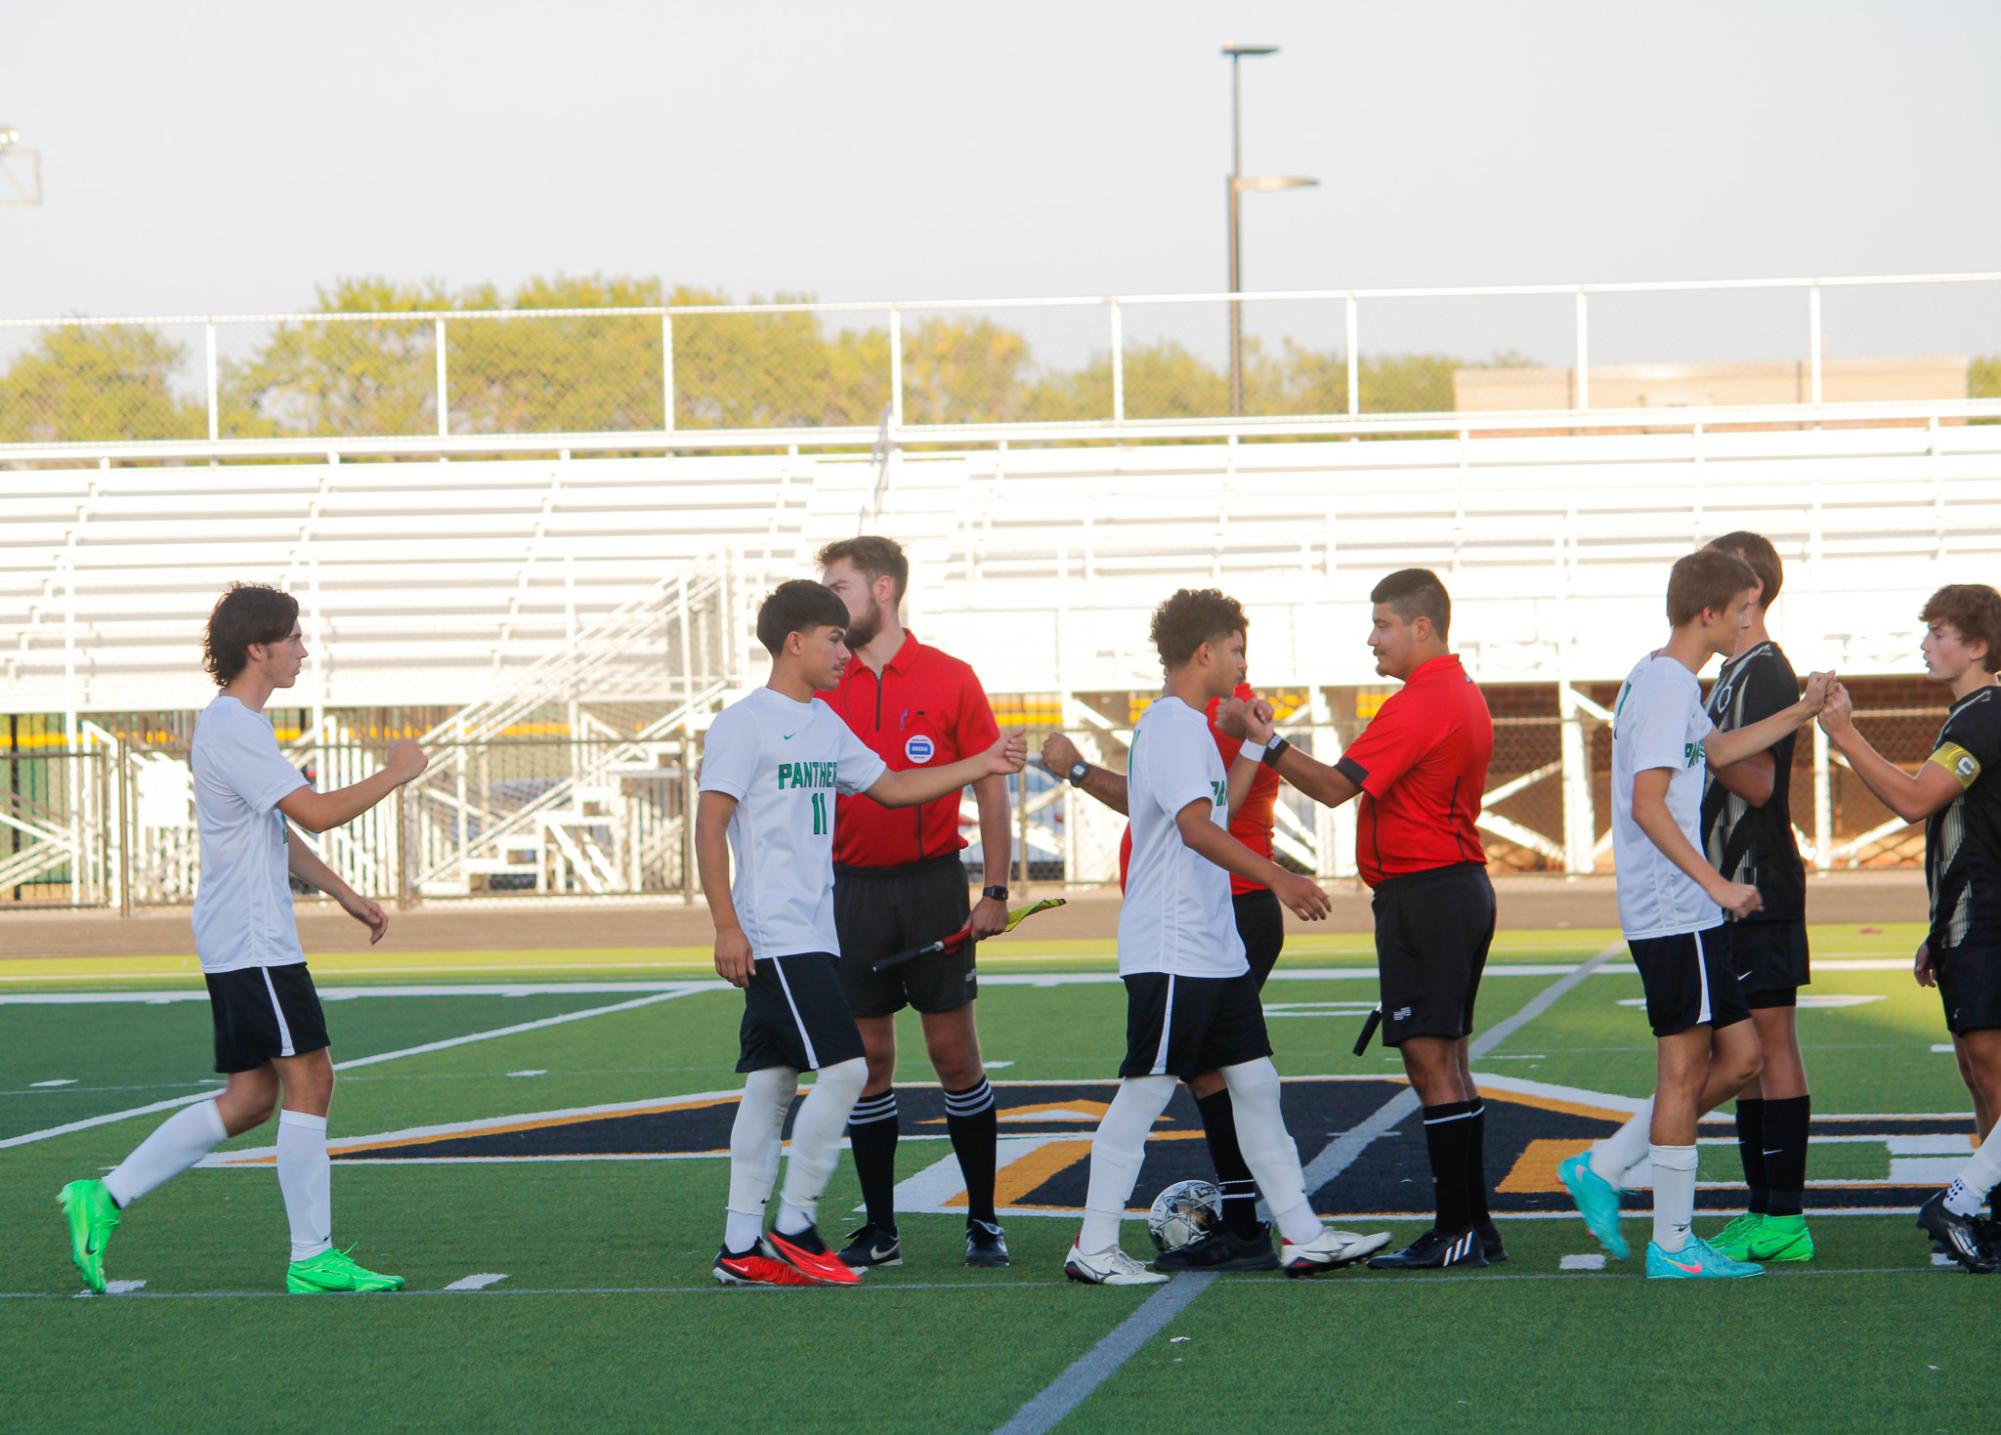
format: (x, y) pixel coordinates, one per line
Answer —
(1420, 768)
(898, 883)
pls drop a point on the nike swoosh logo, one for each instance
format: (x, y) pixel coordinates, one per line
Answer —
(1775, 1150)
(1742, 975)
(1694, 1270)
(789, 736)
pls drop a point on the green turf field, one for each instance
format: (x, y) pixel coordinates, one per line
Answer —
(552, 1122)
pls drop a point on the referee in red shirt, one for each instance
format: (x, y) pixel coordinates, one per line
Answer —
(1420, 768)
(1243, 1242)
(898, 883)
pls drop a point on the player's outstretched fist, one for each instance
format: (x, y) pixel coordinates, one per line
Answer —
(1818, 686)
(1739, 899)
(1303, 898)
(407, 761)
(1008, 754)
(1230, 713)
(1258, 720)
(1059, 754)
(1839, 710)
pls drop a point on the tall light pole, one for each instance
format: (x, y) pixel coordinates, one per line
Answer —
(1238, 182)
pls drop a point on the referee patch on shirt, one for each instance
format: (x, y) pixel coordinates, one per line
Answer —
(920, 748)
(1956, 760)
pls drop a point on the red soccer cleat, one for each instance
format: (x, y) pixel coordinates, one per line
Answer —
(759, 1266)
(821, 1267)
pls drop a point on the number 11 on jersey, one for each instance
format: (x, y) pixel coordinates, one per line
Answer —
(820, 827)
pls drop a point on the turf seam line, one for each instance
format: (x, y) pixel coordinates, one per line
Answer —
(207, 1093)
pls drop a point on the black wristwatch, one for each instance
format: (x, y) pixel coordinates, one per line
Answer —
(999, 894)
(1079, 770)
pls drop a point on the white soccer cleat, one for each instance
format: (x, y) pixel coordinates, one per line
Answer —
(1330, 1250)
(1111, 1267)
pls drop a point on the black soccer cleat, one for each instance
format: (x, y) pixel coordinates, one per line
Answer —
(1961, 1236)
(1223, 1250)
(1436, 1250)
(872, 1246)
(986, 1245)
(1490, 1237)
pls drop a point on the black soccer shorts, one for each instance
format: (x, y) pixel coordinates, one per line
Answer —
(1969, 987)
(1770, 960)
(794, 1014)
(1689, 982)
(1433, 930)
(879, 913)
(1179, 1026)
(1261, 925)
(262, 1012)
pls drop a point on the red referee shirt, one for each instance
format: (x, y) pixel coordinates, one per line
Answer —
(927, 708)
(1252, 824)
(1422, 767)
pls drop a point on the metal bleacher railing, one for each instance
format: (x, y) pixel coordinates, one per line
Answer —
(558, 607)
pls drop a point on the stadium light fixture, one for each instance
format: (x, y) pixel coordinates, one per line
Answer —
(9, 137)
(1238, 183)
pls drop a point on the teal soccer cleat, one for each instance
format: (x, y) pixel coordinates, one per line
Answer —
(1696, 1261)
(1597, 1200)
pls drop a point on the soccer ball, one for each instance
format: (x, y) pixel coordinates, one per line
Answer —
(1183, 1214)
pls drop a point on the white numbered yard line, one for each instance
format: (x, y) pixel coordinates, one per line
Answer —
(360, 1061)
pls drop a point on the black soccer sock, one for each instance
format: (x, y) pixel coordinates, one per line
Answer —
(1233, 1173)
(1476, 1164)
(1784, 1150)
(872, 1136)
(974, 1126)
(1751, 1151)
(1448, 1135)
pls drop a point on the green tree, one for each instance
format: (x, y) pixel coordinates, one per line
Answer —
(342, 377)
(98, 383)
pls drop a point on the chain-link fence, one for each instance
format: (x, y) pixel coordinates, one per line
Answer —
(611, 357)
(596, 803)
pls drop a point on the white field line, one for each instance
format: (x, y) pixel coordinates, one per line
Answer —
(360, 1061)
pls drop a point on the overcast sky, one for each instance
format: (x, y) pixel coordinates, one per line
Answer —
(228, 157)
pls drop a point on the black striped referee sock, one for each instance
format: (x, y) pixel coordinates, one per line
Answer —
(974, 1126)
(872, 1136)
(1476, 1164)
(1448, 1137)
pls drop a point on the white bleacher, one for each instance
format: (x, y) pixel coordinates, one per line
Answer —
(434, 583)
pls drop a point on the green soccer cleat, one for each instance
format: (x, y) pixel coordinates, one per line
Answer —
(333, 1270)
(1695, 1261)
(1734, 1240)
(1597, 1200)
(1780, 1238)
(92, 1216)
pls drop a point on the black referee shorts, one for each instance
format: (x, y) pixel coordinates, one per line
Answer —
(1433, 930)
(879, 912)
(262, 1012)
(795, 1015)
(1261, 924)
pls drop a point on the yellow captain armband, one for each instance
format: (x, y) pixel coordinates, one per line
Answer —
(1963, 765)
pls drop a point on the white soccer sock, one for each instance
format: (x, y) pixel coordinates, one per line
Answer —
(176, 1144)
(1620, 1152)
(754, 1146)
(1674, 1195)
(1118, 1149)
(816, 1142)
(305, 1176)
(1269, 1149)
(1981, 1174)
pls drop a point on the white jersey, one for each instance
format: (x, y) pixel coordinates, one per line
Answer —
(243, 903)
(1659, 722)
(783, 761)
(1177, 916)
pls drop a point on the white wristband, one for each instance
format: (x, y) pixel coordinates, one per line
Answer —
(1252, 749)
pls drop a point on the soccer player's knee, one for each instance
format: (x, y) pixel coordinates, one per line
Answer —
(844, 1078)
(1252, 1083)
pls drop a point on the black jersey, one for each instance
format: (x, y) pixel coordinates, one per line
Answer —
(1746, 843)
(1963, 839)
